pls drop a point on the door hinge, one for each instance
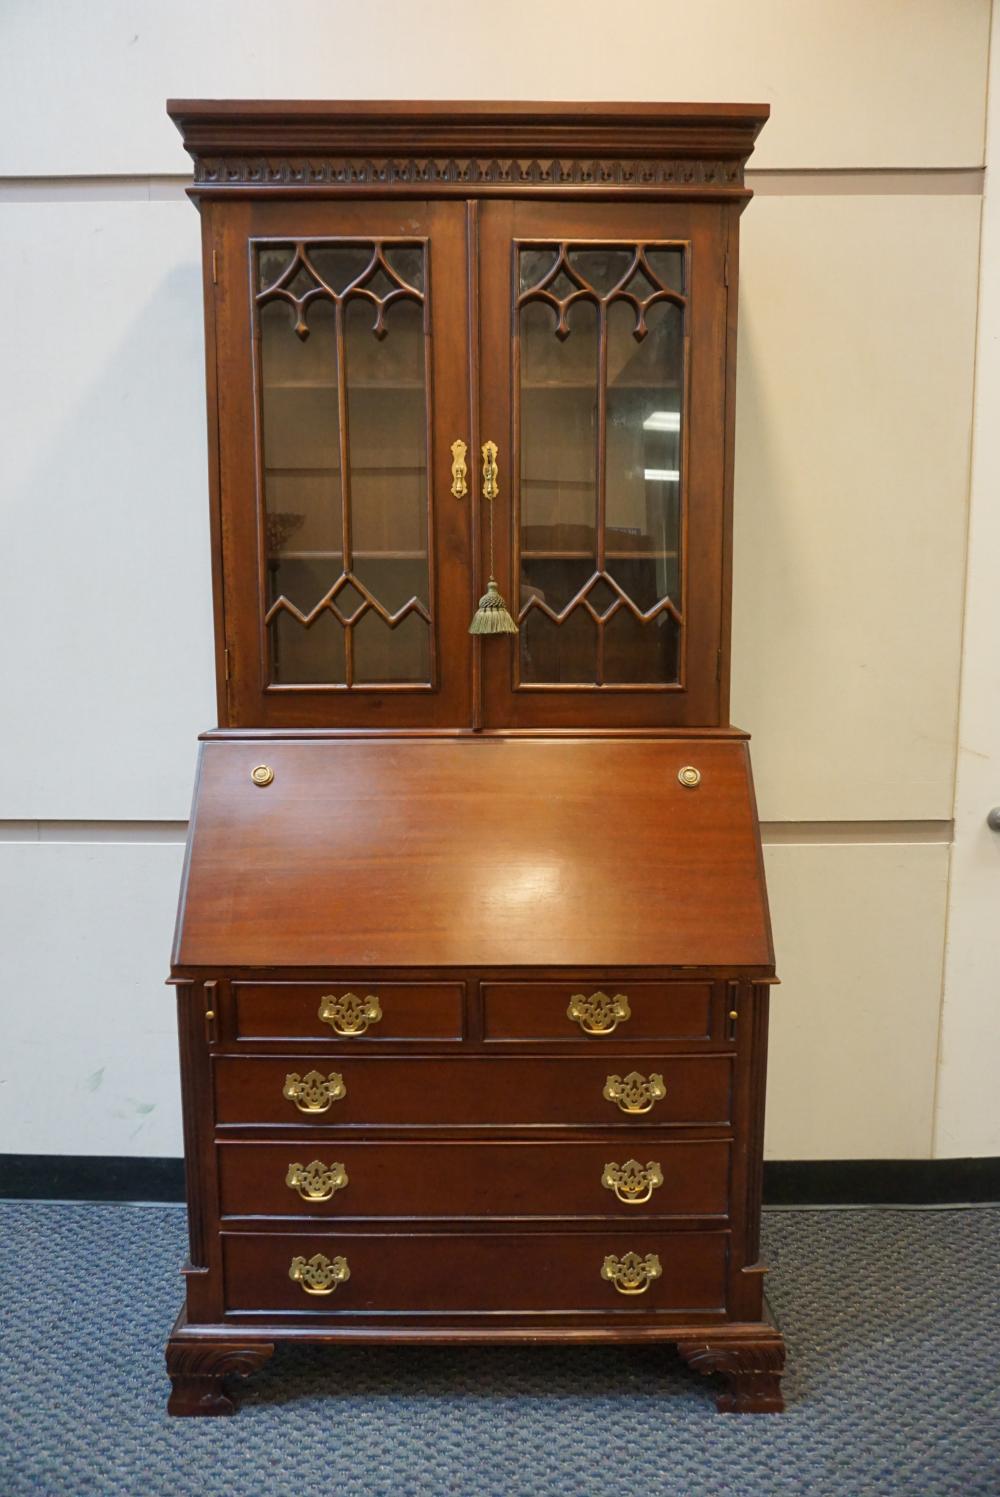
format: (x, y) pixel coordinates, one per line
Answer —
(226, 662)
(725, 270)
(215, 267)
(718, 664)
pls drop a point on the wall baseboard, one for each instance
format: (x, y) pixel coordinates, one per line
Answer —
(800, 1182)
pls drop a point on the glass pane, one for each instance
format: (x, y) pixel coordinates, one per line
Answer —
(383, 655)
(340, 264)
(384, 533)
(643, 514)
(307, 656)
(629, 573)
(667, 266)
(559, 653)
(601, 268)
(558, 429)
(558, 416)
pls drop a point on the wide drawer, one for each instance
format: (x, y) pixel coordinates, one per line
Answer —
(478, 1091)
(434, 1179)
(589, 1012)
(359, 1012)
(465, 1273)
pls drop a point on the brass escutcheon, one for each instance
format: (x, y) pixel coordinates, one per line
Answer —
(316, 1181)
(632, 1182)
(634, 1093)
(631, 1274)
(491, 473)
(459, 471)
(320, 1275)
(313, 1092)
(349, 1014)
(599, 1014)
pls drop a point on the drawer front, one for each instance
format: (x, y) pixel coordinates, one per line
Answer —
(390, 1091)
(355, 1013)
(448, 1180)
(464, 1273)
(614, 1009)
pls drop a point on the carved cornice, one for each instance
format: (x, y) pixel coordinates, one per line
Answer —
(358, 171)
(468, 148)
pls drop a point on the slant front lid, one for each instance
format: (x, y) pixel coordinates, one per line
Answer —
(475, 853)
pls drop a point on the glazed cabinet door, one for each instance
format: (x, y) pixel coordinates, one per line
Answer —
(341, 334)
(604, 346)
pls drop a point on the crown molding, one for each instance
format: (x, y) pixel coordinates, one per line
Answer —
(304, 147)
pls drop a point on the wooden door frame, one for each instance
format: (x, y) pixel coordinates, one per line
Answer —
(249, 699)
(699, 699)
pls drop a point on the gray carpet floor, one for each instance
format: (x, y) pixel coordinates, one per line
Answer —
(894, 1384)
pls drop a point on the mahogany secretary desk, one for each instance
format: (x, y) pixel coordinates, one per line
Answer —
(473, 954)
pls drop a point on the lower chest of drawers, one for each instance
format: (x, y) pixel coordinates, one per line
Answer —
(406, 1149)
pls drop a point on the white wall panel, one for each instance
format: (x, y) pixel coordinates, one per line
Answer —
(859, 931)
(108, 670)
(857, 83)
(88, 1047)
(854, 392)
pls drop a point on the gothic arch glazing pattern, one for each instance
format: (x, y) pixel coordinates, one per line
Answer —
(341, 350)
(600, 375)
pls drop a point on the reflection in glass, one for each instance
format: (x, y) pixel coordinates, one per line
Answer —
(345, 471)
(601, 402)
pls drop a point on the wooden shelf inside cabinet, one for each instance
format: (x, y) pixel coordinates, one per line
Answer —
(359, 555)
(473, 952)
(357, 387)
(589, 555)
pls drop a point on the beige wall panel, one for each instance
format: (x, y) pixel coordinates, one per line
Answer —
(859, 932)
(857, 83)
(88, 1035)
(108, 670)
(857, 343)
(968, 1102)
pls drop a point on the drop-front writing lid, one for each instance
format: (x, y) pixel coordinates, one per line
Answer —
(487, 853)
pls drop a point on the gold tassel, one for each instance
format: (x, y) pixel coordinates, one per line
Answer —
(491, 617)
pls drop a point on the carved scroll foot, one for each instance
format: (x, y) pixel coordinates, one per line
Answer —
(752, 1370)
(197, 1370)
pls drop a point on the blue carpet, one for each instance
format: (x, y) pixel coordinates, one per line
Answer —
(894, 1343)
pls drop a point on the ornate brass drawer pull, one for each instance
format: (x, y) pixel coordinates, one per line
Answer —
(632, 1182)
(319, 1275)
(316, 1181)
(350, 1014)
(631, 1274)
(313, 1092)
(599, 1014)
(634, 1093)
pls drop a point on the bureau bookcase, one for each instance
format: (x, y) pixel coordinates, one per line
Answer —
(473, 956)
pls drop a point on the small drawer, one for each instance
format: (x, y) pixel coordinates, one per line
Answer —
(359, 1274)
(353, 1011)
(628, 1179)
(614, 1008)
(482, 1091)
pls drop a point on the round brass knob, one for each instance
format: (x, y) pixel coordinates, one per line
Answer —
(262, 775)
(689, 776)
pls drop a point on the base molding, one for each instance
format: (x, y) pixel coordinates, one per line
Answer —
(749, 1356)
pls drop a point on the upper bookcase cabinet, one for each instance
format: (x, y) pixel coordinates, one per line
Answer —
(454, 341)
